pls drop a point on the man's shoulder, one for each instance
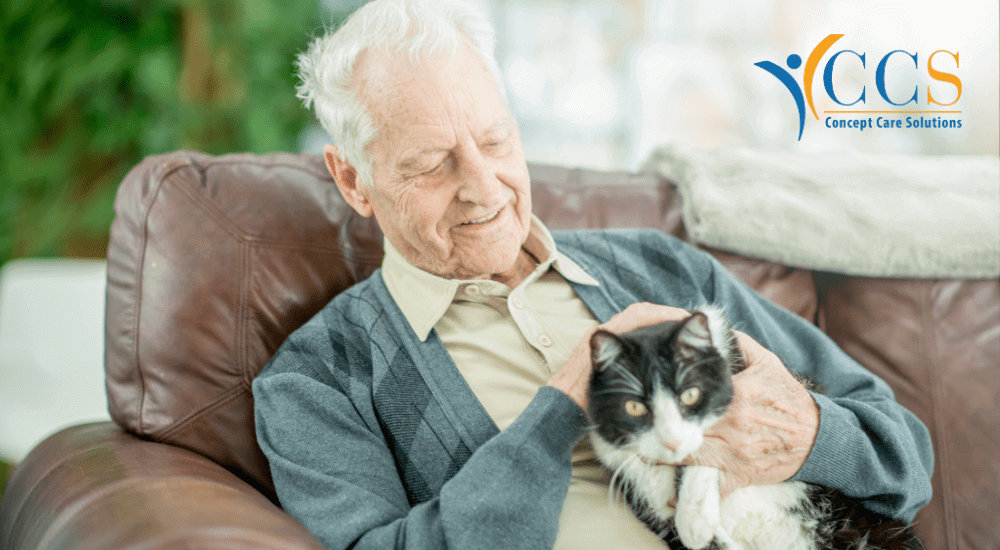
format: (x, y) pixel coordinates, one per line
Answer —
(354, 307)
(641, 265)
(634, 248)
(342, 323)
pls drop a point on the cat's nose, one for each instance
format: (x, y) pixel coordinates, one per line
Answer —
(673, 445)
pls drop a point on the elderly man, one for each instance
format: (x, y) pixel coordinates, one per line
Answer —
(440, 403)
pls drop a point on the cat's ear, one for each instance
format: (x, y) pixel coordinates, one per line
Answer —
(605, 347)
(694, 336)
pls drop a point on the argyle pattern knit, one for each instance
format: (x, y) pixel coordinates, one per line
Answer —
(375, 440)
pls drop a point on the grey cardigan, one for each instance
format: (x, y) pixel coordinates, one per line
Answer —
(375, 440)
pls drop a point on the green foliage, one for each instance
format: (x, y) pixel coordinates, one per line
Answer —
(5, 471)
(90, 87)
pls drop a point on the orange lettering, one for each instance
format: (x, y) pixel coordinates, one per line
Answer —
(943, 77)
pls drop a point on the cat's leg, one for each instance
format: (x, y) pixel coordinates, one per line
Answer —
(697, 518)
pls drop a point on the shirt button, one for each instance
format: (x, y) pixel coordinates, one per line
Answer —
(544, 340)
(518, 301)
(472, 290)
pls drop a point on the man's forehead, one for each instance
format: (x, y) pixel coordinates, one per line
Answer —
(402, 88)
(419, 106)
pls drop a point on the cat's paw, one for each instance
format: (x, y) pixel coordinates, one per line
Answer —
(698, 515)
(694, 531)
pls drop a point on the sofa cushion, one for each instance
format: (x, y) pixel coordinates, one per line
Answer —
(937, 344)
(212, 262)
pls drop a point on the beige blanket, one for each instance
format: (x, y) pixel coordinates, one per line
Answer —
(875, 215)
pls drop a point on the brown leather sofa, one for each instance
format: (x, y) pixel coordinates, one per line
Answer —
(213, 261)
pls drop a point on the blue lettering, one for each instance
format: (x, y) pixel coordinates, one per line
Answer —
(828, 78)
(880, 78)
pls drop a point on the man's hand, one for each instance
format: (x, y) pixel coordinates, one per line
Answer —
(767, 434)
(573, 378)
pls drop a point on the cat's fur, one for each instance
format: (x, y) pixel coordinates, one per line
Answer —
(652, 368)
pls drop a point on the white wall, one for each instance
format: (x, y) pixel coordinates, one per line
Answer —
(600, 83)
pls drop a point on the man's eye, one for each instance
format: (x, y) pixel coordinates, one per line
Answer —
(495, 145)
(437, 169)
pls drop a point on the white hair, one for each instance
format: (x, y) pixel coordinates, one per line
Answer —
(420, 28)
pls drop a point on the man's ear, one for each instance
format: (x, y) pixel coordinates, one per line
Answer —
(346, 178)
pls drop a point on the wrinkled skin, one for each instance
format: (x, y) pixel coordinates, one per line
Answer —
(447, 153)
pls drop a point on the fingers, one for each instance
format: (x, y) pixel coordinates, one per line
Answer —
(573, 378)
(751, 348)
(643, 314)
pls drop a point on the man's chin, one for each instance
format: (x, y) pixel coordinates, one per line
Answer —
(486, 264)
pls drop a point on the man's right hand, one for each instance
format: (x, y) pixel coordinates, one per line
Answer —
(573, 378)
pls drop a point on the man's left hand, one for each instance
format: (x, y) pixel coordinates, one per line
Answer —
(767, 434)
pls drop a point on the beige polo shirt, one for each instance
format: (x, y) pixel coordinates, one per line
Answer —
(507, 344)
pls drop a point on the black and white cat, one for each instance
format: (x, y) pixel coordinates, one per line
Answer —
(653, 394)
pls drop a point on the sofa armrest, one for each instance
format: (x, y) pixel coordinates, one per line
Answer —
(95, 486)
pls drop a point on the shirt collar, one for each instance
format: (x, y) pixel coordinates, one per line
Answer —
(424, 297)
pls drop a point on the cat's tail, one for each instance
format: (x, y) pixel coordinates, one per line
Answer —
(858, 528)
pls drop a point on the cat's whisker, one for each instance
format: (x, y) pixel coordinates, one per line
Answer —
(628, 376)
(618, 484)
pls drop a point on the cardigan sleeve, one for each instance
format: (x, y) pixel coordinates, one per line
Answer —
(337, 475)
(868, 446)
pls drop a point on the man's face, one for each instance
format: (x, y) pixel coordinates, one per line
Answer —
(451, 189)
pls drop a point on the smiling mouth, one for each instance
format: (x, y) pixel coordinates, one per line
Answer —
(483, 220)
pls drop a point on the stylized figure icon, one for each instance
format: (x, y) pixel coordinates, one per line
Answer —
(794, 62)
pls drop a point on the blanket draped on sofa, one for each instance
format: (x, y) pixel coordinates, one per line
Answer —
(869, 215)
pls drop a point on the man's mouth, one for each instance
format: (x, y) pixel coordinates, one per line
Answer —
(483, 220)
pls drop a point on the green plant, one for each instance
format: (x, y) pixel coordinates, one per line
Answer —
(90, 87)
(5, 471)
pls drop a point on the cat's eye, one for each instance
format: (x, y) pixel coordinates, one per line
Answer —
(690, 396)
(635, 409)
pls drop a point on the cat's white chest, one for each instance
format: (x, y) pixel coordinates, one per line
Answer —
(760, 517)
(653, 483)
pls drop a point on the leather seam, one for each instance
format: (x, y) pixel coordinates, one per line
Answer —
(184, 421)
(140, 271)
(243, 319)
(234, 231)
(933, 355)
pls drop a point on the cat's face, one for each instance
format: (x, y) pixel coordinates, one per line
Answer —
(656, 390)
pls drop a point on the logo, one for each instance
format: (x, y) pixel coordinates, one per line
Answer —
(803, 95)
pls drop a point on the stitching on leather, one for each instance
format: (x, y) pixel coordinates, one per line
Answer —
(139, 275)
(183, 422)
(244, 312)
(199, 200)
(932, 352)
(233, 230)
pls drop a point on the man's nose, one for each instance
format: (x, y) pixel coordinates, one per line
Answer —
(480, 184)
